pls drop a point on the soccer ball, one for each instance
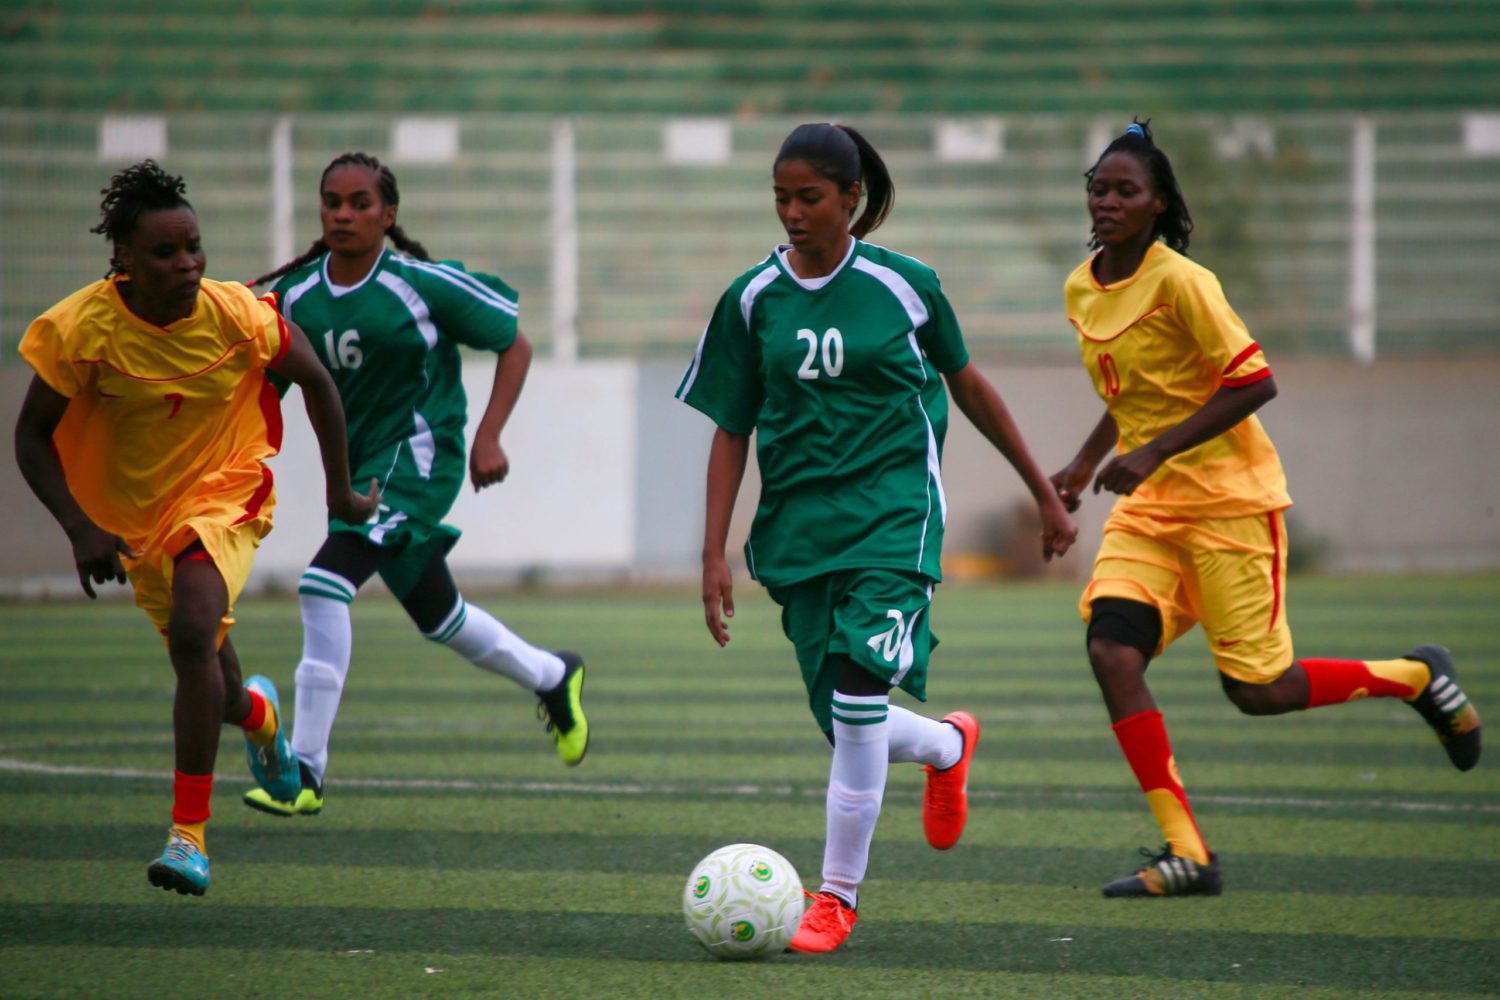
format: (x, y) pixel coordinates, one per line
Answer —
(743, 901)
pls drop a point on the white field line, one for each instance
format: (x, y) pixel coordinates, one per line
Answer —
(627, 789)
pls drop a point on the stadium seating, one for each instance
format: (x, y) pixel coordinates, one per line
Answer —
(765, 56)
(658, 241)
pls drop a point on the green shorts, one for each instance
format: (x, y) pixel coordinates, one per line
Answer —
(876, 617)
(416, 493)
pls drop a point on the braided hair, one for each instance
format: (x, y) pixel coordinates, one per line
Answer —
(389, 194)
(842, 155)
(1174, 224)
(138, 189)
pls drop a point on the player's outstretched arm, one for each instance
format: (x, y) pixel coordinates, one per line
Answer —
(326, 413)
(96, 552)
(488, 463)
(980, 401)
(1227, 407)
(726, 468)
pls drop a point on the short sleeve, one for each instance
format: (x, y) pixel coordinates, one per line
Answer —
(1219, 331)
(475, 309)
(275, 339)
(940, 337)
(45, 351)
(724, 381)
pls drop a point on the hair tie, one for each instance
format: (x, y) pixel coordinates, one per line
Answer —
(1134, 128)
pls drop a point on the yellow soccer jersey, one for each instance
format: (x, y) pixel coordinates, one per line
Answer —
(164, 424)
(1157, 346)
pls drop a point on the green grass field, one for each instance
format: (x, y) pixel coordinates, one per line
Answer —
(457, 857)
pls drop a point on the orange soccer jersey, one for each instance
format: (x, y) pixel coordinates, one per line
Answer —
(1157, 346)
(165, 425)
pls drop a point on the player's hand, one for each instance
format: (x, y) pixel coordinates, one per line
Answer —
(1059, 532)
(488, 463)
(1123, 473)
(97, 554)
(718, 593)
(356, 508)
(1069, 484)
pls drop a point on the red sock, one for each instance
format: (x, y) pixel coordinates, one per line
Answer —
(1143, 738)
(190, 795)
(257, 714)
(1333, 682)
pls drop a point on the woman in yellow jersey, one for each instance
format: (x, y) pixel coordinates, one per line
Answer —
(144, 433)
(1197, 535)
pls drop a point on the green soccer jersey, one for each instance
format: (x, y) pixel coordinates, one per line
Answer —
(839, 379)
(391, 343)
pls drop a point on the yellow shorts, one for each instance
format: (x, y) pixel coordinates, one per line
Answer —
(231, 546)
(1227, 573)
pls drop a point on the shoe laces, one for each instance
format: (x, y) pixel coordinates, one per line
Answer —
(179, 848)
(554, 710)
(554, 716)
(827, 913)
(1154, 858)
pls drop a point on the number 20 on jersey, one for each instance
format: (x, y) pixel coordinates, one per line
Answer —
(829, 349)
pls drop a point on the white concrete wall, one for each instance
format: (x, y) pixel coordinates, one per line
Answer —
(1393, 467)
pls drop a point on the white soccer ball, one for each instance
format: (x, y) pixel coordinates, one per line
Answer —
(743, 901)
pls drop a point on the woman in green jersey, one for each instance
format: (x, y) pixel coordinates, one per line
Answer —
(388, 327)
(830, 351)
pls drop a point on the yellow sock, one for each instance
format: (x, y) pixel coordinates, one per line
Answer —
(1177, 825)
(192, 832)
(266, 731)
(1411, 673)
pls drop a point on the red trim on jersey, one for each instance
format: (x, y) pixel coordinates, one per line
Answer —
(1275, 570)
(1123, 330)
(1235, 383)
(272, 300)
(258, 498)
(270, 412)
(1240, 358)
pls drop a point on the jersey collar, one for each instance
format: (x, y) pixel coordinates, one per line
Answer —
(813, 284)
(339, 291)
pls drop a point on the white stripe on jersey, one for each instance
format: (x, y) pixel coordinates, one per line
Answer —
(899, 287)
(297, 291)
(934, 459)
(692, 372)
(414, 305)
(752, 291)
(465, 281)
(423, 446)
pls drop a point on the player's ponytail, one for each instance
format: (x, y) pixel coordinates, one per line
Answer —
(140, 188)
(842, 155)
(1174, 224)
(390, 194)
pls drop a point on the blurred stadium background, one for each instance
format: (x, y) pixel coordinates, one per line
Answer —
(610, 158)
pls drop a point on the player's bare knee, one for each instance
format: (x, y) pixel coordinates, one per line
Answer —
(1256, 699)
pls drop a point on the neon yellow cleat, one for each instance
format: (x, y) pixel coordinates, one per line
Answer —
(308, 802)
(562, 710)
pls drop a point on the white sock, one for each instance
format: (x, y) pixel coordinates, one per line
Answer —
(327, 643)
(856, 787)
(478, 637)
(916, 739)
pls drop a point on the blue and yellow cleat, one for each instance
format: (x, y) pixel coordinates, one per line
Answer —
(308, 802)
(181, 867)
(273, 765)
(561, 709)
